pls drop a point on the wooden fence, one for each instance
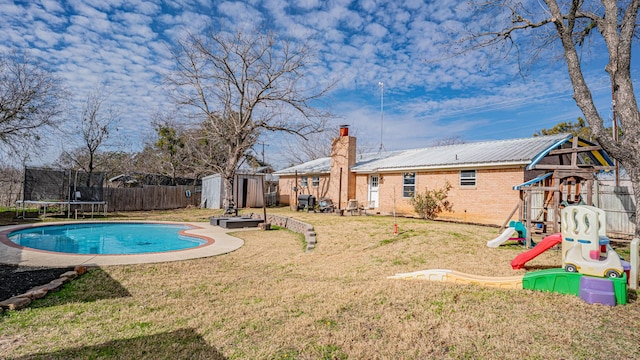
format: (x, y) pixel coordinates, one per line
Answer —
(620, 207)
(617, 202)
(151, 197)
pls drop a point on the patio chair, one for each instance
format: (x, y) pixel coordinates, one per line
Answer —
(352, 206)
(326, 205)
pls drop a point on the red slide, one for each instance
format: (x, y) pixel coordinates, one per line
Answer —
(544, 245)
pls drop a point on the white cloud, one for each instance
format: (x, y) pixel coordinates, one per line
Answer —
(83, 7)
(44, 35)
(306, 4)
(376, 30)
(125, 44)
(241, 12)
(146, 7)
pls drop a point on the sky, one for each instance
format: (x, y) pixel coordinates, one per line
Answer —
(425, 96)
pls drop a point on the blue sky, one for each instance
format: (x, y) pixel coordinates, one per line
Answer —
(123, 44)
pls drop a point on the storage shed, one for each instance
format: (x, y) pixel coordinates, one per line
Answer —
(247, 191)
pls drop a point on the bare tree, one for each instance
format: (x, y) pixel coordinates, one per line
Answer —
(318, 145)
(177, 150)
(573, 24)
(314, 146)
(97, 122)
(111, 162)
(206, 151)
(451, 140)
(10, 185)
(244, 84)
(31, 100)
(148, 160)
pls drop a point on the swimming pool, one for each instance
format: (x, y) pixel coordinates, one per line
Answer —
(107, 238)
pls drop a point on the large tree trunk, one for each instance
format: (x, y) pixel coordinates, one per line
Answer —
(228, 201)
(229, 174)
(618, 40)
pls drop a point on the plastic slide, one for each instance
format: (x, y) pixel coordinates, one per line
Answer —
(506, 235)
(544, 245)
(444, 275)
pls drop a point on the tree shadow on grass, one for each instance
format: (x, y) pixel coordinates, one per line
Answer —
(179, 344)
(95, 285)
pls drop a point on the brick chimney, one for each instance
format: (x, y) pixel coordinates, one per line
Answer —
(343, 156)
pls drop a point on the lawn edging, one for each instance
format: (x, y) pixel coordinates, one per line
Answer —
(294, 225)
(22, 301)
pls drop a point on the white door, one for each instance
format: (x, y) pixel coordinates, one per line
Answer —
(373, 190)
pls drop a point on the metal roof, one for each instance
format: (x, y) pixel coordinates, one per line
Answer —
(317, 166)
(487, 153)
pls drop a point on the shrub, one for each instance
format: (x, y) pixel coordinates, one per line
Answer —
(430, 203)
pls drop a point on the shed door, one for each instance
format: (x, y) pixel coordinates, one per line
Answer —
(373, 190)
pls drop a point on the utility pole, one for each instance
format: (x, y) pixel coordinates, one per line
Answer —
(262, 143)
(615, 130)
(381, 85)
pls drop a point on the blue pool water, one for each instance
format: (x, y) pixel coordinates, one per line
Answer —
(106, 238)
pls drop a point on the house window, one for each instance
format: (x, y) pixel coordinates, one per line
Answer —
(315, 181)
(304, 181)
(375, 181)
(467, 178)
(408, 184)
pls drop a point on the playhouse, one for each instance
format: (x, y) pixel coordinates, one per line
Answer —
(585, 246)
(565, 177)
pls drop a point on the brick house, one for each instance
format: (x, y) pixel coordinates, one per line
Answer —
(484, 176)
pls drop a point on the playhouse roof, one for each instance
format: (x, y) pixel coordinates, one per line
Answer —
(513, 152)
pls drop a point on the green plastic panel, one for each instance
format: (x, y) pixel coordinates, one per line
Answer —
(560, 281)
(620, 289)
(553, 280)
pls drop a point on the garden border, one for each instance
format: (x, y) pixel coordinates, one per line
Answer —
(294, 225)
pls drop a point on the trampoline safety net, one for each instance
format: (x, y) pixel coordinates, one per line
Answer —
(62, 185)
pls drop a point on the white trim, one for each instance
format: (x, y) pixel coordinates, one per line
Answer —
(445, 167)
(474, 178)
(303, 173)
(415, 183)
(373, 190)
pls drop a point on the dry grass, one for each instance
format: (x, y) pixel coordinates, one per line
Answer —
(271, 300)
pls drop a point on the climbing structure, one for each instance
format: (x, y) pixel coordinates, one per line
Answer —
(558, 178)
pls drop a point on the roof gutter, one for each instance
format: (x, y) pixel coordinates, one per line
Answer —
(521, 163)
(301, 173)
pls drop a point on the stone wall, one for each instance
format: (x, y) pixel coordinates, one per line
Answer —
(295, 226)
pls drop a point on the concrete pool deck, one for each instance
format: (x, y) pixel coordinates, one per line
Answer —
(219, 242)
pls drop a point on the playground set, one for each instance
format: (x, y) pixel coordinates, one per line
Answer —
(592, 270)
(556, 178)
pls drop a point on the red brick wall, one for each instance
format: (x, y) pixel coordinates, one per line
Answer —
(343, 156)
(489, 202)
(287, 196)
